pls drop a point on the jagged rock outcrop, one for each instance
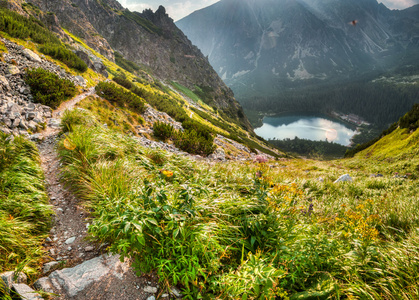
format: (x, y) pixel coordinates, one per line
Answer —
(150, 39)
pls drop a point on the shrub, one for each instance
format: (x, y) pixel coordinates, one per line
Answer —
(49, 89)
(21, 27)
(163, 131)
(192, 142)
(66, 56)
(120, 96)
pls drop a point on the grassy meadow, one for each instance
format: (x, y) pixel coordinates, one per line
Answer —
(250, 230)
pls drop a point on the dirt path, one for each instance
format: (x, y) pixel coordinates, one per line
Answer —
(68, 242)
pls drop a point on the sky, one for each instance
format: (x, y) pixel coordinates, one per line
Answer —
(177, 9)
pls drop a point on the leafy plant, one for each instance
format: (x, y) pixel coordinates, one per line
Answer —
(49, 89)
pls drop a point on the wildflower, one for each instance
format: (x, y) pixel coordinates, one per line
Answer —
(69, 145)
(167, 173)
(259, 174)
(261, 159)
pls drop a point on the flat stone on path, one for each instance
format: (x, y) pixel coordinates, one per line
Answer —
(70, 240)
(25, 292)
(73, 282)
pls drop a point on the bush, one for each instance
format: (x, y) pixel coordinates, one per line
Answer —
(192, 142)
(49, 89)
(21, 27)
(120, 97)
(162, 130)
(66, 56)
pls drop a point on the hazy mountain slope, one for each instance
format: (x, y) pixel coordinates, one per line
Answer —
(149, 39)
(260, 47)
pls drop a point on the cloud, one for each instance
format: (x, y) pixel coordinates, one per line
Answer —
(175, 9)
(399, 4)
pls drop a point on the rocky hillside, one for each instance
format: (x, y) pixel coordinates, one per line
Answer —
(262, 47)
(150, 39)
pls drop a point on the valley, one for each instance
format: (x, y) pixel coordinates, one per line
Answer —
(128, 170)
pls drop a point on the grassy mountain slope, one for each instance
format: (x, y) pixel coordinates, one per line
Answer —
(242, 229)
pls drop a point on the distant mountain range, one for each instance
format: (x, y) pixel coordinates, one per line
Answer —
(261, 47)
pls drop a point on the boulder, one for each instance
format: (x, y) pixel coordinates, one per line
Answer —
(32, 56)
(344, 178)
(48, 266)
(8, 278)
(4, 83)
(74, 282)
(13, 70)
(25, 292)
(81, 81)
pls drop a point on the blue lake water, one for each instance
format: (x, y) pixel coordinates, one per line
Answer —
(311, 127)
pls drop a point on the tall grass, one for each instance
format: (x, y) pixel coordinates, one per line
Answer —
(24, 212)
(246, 230)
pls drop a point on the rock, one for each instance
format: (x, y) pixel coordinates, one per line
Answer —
(4, 82)
(32, 126)
(89, 249)
(54, 123)
(5, 130)
(22, 124)
(13, 70)
(48, 266)
(344, 178)
(32, 56)
(44, 284)
(7, 122)
(15, 123)
(8, 277)
(70, 240)
(150, 289)
(81, 80)
(25, 292)
(151, 298)
(73, 282)
(35, 137)
(175, 292)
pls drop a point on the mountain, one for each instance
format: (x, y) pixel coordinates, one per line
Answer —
(150, 39)
(267, 47)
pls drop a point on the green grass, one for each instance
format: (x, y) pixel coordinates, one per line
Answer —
(24, 212)
(248, 230)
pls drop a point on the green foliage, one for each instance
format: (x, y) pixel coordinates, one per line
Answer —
(49, 89)
(163, 130)
(21, 27)
(125, 64)
(120, 97)
(313, 149)
(64, 55)
(411, 119)
(249, 230)
(143, 22)
(24, 213)
(194, 142)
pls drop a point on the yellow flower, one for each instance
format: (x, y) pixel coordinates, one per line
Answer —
(167, 173)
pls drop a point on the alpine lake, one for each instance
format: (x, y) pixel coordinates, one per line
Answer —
(316, 127)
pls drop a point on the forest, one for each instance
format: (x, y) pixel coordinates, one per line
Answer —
(380, 103)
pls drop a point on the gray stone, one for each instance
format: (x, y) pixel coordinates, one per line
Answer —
(4, 82)
(35, 137)
(48, 266)
(13, 70)
(151, 298)
(23, 125)
(25, 292)
(32, 56)
(15, 123)
(8, 277)
(344, 178)
(175, 292)
(70, 240)
(54, 123)
(5, 130)
(73, 282)
(38, 120)
(150, 289)
(44, 284)
(89, 249)
(32, 126)
(81, 81)
(7, 122)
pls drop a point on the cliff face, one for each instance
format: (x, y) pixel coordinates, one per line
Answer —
(150, 39)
